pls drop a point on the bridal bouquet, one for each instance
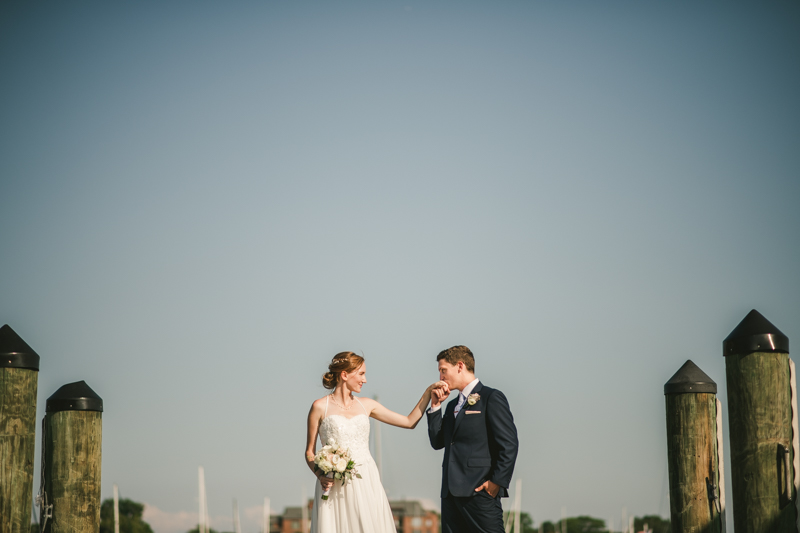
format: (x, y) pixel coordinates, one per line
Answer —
(336, 463)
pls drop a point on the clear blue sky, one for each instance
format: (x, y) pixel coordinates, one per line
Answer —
(202, 202)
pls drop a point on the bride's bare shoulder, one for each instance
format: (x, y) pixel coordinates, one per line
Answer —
(368, 403)
(318, 405)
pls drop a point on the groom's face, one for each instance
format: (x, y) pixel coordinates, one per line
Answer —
(449, 374)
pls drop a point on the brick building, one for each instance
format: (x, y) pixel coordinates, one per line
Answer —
(409, 517)
(291, 521)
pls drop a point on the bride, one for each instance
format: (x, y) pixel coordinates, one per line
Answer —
(361, 505)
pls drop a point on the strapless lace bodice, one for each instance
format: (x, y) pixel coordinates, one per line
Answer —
(351, 433)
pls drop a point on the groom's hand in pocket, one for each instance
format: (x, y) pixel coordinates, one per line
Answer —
(490, 488)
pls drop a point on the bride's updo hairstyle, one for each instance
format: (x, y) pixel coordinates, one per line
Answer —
(342, 362)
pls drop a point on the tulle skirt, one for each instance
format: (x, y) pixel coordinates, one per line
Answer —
(359, 507)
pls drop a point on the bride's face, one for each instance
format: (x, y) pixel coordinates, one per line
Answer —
(355, 379)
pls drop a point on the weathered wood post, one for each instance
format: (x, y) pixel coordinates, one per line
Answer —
(73, 431)
(19, 374)
(693, 452)
(760, 416)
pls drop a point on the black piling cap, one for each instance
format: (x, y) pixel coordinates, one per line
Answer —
(76, 396)
(15, 352)
(690, 379)
(755, 334)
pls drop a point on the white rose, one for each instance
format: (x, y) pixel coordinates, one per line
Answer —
(325, 466)
(341, 466)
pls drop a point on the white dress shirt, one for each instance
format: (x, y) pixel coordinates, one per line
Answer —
(462, 397)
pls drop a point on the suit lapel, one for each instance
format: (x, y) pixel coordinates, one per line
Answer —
(464, 407)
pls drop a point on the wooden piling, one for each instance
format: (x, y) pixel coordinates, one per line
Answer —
(72, 443)
(19, 373)
(693, 458)
(760, 424)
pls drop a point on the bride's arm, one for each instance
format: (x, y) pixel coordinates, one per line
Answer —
(381, 413)
(314, 419)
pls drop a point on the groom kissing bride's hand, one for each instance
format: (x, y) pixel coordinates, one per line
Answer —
(349, 497)
(480, 444)
(439, 395)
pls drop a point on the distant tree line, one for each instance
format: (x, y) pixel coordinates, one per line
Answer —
(525, 522)
(130, 521)
(130, 517)
(654, 522)
(588, 524)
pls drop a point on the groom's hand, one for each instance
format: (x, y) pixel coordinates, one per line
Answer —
(490, 488)
(439, 395)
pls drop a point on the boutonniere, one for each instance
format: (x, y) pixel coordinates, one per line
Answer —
(473, 398)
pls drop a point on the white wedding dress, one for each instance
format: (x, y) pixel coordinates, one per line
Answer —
(360, 506)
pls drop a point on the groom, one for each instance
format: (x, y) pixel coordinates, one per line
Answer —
(480, 445)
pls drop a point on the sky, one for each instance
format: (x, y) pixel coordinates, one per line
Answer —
(202, 202)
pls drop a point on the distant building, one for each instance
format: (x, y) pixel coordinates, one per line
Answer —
(291, 521)
(409, 517)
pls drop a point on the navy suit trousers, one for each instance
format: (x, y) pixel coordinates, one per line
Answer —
(472, 514)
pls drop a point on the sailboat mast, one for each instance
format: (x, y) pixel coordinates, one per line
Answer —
(202, 526)
(265, 526)
(201, 482)
(116, 508)
(237, 528)
(623, 526)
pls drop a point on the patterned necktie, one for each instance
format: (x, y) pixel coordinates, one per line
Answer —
(460, 404)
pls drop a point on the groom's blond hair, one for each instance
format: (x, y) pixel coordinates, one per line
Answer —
(458, 353)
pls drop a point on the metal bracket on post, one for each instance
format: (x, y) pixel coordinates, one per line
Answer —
(45, 510)
(787, 469)
(712, 494)
(785, 480)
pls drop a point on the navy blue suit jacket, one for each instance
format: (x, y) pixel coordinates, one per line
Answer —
(479, 444)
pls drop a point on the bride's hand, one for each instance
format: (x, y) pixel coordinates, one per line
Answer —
(325, 481)
(440, 386)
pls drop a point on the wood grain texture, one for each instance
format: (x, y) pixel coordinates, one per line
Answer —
(692, 457)
(760, 425)
(17, 442)
(72, 470)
